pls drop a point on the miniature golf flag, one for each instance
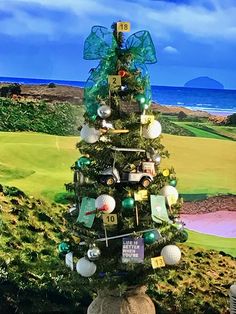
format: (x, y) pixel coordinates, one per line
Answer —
(141, 195)
(87, 205)
(159, 210)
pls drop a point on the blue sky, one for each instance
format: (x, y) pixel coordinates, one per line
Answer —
(44, 38)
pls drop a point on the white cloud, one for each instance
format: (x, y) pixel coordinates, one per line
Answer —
(170, 50)
(161, 18)
(197, 20)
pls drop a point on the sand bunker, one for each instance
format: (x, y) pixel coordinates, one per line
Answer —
(221, 223)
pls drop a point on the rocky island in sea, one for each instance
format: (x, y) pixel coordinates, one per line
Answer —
(204, 82)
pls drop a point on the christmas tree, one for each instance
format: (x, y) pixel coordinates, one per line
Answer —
(124, 222)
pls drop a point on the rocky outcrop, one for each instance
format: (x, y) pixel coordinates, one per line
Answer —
(204, 82)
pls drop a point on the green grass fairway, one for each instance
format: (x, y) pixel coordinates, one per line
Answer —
(227, 245)
(200, 132)
(39, 164)
(202, 165)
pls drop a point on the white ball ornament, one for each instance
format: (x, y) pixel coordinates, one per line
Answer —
(152, 130)
(85, 268)
(104, 111)
(171, 254)
(89, 135)
(105, 203)
(170, 193)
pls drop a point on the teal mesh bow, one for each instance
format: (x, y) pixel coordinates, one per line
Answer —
(101, 45)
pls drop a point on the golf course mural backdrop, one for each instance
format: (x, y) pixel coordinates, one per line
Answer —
(58, 139)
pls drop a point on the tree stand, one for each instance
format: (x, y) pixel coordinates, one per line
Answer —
(134, 301)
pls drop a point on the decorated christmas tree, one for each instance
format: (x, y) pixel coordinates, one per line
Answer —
(124, 220)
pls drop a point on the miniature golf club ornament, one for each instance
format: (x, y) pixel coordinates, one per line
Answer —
(93, 252)
(105, 203)
(104, 111)
(89, 135)
(85, 268)
(152, 130)
(171, 254)
(170, 193)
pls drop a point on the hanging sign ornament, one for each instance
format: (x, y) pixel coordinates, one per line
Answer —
(101, 45)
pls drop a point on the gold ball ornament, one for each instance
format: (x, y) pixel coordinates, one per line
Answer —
(166, 172)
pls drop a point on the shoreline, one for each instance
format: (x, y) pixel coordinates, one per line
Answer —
(74, 94)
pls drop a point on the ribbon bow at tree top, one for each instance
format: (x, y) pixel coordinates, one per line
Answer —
(102, 45)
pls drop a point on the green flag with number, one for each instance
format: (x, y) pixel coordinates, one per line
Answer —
(158, 207)
(85, 213)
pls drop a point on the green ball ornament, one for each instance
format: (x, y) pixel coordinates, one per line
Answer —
(141, 98)
(150, 237)
(144, 106)
(182, 236)
(64, 247)
(173, 182)
(128, 203)
(93, 117)
(82, 162)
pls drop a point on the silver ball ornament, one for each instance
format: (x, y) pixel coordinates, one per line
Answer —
(104, 111)
(93, 252)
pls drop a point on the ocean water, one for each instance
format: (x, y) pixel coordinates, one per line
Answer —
(215, 101)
